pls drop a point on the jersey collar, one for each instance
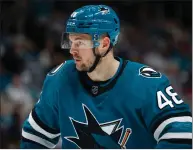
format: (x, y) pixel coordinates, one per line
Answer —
(96, 88)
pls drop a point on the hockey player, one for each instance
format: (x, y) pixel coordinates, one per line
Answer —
(98, 100)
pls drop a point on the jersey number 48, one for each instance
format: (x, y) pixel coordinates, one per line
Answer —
(164, 101)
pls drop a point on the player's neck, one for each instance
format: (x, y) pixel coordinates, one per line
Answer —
(106, 69)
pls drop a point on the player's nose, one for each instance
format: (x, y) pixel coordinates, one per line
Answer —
(73, 51)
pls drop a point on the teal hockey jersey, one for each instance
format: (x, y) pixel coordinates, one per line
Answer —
(137, 108)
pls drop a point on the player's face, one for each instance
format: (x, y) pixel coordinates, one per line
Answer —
(81, 50)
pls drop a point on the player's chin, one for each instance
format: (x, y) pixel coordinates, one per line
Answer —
(81, 68)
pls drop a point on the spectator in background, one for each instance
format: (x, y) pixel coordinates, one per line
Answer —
(6, 119)
(10, 122)
(19, 95)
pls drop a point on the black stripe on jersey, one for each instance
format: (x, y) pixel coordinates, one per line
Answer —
(36, 133)
(155, 124)
(23, 140)
(42, 125)
(178, 141)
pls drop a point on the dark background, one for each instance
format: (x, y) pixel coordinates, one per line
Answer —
(156, 33)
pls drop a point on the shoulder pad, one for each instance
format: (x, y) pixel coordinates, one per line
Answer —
(59, 74)
(143, 74)
(60, 67)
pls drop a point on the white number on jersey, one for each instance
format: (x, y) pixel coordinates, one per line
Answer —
(173, 95)
(163, 101)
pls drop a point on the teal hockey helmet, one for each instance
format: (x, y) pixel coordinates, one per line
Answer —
(94, 20)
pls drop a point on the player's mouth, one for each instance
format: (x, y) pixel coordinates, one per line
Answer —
(77, 60)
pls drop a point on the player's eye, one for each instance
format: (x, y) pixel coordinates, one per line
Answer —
(80, 43)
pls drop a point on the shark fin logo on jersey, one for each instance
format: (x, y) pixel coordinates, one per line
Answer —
(93, 135)
(149, 72)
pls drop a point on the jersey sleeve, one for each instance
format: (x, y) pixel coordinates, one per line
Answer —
(167, 117)
(41, 128)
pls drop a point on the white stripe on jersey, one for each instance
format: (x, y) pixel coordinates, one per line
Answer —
(168, 121)
(36, 127)
(37, 139)
(182, 135)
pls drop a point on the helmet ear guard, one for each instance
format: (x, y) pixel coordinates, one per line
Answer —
(95, 38)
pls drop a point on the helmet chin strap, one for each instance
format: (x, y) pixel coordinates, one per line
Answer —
(96, 61)
(97, 58)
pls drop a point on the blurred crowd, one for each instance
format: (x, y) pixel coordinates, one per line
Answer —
(30, 47)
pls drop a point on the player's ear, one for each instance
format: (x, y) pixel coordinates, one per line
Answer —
(104, 44)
